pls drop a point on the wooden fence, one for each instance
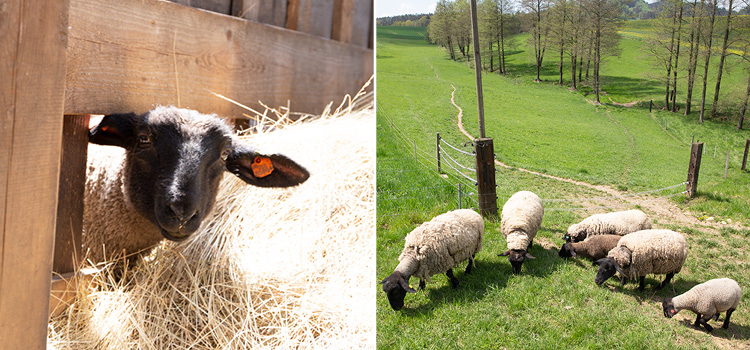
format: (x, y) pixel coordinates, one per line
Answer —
(80, 57)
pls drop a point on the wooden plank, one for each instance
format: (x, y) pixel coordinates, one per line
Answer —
(218, 6)
(271, 12)
(63, 289)
(352, 21)
(33, 56)
(70, 199)
(123, 56)
(315, 17)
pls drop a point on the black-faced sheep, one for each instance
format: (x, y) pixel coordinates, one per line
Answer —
(594, 247)
(707, 300)
(520, 218)
(644, 252)
(435, 247)
(162, 178)
(616, 223)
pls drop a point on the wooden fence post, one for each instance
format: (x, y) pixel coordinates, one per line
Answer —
(485, 161)
(696, 150)
(438, 152)
(650, 105)
(744, 157)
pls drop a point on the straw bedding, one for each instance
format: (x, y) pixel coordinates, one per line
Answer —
(273, 268)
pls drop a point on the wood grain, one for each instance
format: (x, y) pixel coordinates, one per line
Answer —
(315, 17)
(218, 6)
(122, 56)
(271, 12)
(352, 21)
(33, 60)
(71, 190)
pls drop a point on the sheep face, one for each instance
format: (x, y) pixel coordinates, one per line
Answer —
(516, 258)
(395, 287)
(668, 307)
(175, 159)
(607, 268)
(566, 251)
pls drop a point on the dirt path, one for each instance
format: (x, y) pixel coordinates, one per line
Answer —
(658, 207)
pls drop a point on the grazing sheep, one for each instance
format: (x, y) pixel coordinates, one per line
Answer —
(706, 299)
(521, 218)
(435, 247)
(616, 223)
(594, 247)
(640, 253)
(163, 180)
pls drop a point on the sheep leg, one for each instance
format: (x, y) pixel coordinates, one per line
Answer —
(704, 322)
(666, 281)
(469, 266)
(454, 280)
(530, 243)
(641, 283)
(726, 319)
(421, 284)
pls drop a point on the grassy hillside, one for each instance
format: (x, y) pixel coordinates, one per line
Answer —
(549, 129)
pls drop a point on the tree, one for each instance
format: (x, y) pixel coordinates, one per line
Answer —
(727, 29)
(560, 11)
(604, 21)
(663, 46)
(575, 21)
(439, 29)
(538, 12)
(695, 35)
(710, 36)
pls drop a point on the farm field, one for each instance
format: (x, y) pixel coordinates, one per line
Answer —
(551, 130)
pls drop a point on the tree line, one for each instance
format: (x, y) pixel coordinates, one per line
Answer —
(578, 35)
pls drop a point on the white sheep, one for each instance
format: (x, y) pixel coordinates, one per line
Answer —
(643, 252)
(616, 223)
(435, 247)
(707, 299)
(162, 178)
(520, 218)
(594, 247)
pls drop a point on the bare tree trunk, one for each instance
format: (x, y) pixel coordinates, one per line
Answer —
(502, 45)
(677, 59)
(695, 35)
(580, 68)
(597, 58)
(671, 56)
(721, 60)
(708, 58)
(744, 104)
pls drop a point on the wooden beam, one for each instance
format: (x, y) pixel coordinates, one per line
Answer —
(128, 56)
(352, 21)
(271, 12)
(70, 199)
(218, 6)
(33, 37)
(315, 17)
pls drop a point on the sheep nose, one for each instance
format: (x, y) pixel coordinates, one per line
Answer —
(182, 213)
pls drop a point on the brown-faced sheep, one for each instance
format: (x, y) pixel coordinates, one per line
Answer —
(593, 248)
(616, 223)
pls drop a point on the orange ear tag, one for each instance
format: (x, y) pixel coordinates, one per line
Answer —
(262, 166)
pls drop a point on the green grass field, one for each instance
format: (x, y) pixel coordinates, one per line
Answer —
(549, 129)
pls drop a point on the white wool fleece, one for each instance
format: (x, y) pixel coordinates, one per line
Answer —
(521, 218)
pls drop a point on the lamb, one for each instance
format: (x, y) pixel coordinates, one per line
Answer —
(435, 247)
(616, 223)
(521, 217)
(162, 179)
(594, 247)
(707, 299)
(640, 253)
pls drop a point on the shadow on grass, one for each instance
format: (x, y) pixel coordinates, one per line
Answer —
(735, 331)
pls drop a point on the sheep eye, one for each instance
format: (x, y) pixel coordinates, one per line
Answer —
(144, 139)
(225, 153)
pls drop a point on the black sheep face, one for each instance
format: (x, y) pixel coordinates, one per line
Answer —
(175, 159)
(668, 308)
(607, 269)
(516, 258)
(566, 251)
(395, 287)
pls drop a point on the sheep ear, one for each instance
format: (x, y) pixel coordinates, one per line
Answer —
(505, 253)
(528, 256)
(573, 253)
(405, 285)
(115, 130)
(261, 170)
(617, 267)
(598, 262)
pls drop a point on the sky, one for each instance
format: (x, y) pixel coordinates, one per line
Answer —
(384, 8)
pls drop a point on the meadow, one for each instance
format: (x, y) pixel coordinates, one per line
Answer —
(552, 130)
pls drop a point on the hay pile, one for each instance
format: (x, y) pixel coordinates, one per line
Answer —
(274, 268)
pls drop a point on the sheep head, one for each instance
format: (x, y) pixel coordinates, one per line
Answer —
(395, 287)
(668, 307)
(576, 233)
(516, 258)
(175, 159)
(567, 251)
(607, 268)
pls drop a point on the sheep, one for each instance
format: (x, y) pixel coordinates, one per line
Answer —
(594, 247)
(520, 220)
(616, 223)
(435, 247)
(161, 179)
(640, 253)
(707, 299)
